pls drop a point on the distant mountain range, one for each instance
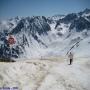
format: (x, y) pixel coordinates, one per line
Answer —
(39, 36)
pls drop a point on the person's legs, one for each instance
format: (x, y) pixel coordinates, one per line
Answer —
(70, 61)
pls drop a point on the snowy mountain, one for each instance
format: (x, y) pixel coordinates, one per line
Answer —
(40, 36)
(55, 18)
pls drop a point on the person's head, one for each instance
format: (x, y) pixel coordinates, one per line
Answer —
(70, 52)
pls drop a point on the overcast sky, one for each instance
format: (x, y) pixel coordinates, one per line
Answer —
(12, 8)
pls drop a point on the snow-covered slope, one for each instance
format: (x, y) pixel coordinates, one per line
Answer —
(46, 74)
(39, 36)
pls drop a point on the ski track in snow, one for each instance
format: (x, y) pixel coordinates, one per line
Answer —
(46, 74)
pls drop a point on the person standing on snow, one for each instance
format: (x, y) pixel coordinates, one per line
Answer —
(70, 56)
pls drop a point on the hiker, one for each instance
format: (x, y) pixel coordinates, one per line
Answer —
(70, 56)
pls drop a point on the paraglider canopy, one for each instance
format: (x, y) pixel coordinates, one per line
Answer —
(11, 40)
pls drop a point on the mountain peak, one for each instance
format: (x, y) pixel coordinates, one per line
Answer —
(86, 10)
